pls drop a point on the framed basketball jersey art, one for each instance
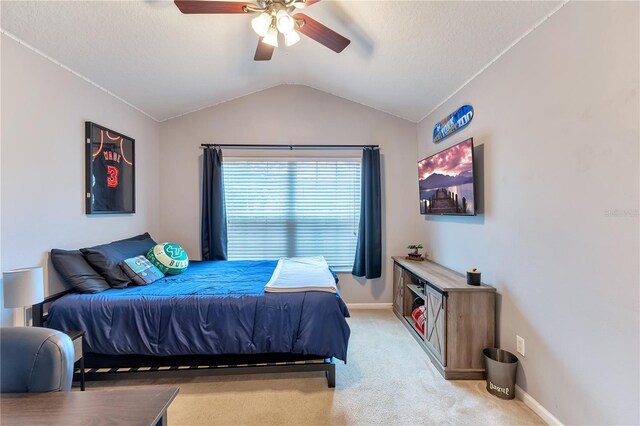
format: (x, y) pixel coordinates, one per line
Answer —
(109, 171)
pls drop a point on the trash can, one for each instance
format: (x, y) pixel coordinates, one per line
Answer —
(501, 367)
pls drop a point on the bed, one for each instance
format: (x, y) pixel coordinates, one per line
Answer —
(215, 313)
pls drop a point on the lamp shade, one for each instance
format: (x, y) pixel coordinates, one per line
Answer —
(272, 37)
(261, 23)
(23, 287)
(291, 38)
(284, 22)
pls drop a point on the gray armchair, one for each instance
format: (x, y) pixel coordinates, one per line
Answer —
(35, 359)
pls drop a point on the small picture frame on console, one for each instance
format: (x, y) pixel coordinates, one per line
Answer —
(109, 171)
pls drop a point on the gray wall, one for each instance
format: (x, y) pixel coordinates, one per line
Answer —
(556, 130)
(315, 118)
(43, 112)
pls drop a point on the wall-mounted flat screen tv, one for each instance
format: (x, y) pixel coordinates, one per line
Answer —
(446, 181)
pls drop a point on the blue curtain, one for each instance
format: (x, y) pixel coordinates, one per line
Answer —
(214, 212)
(368, 261)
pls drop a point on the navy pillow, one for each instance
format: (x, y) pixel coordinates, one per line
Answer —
(106, 258)
(76, 272)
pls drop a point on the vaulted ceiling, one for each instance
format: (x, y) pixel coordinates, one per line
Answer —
(405, 58)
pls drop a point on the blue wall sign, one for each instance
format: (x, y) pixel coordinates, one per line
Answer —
(452, 123)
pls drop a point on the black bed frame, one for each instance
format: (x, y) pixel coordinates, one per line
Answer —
(110, 367)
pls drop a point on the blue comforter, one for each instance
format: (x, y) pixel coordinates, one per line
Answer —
(216, 307)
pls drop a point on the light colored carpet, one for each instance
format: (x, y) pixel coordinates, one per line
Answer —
(388, 380)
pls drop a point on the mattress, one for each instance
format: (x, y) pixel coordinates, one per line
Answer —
(213, 308)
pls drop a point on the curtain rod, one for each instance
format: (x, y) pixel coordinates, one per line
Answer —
(289, 147)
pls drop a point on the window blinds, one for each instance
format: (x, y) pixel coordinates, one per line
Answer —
(293, 208)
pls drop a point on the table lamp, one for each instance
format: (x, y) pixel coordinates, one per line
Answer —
(23, 288)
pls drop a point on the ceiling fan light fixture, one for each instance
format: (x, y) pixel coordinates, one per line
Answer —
(291, 38)
(271, 38)
(284, 22)
(261, 23)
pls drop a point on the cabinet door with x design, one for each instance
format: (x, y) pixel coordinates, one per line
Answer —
(435, 332)
(398, 288)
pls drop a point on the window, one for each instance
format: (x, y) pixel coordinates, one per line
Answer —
(293, 208)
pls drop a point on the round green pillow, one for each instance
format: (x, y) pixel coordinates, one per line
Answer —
(170, 258)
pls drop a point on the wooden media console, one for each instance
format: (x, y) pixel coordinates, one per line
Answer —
(459, 318)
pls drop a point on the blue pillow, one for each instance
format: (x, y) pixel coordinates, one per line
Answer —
(106, 258)
(75, 271)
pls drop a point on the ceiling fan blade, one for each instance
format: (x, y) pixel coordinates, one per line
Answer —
(189, 6)
(264, 51)
(323, 35)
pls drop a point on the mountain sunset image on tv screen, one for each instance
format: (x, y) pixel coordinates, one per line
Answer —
(446, 181)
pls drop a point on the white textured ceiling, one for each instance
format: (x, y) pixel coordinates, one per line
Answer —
(405, 57)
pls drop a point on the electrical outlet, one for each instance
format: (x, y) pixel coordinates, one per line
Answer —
(520, 345)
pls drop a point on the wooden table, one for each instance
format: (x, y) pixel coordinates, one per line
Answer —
(119, 406)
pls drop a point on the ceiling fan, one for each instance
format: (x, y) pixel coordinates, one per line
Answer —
(275, 17)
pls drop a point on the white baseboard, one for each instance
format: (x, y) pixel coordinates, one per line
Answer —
(369, 305)
(536, 407)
